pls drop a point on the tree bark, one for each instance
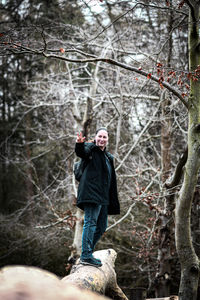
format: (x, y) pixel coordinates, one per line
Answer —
(166, 224)
(187, 256)
(101, 280)
(77, 242)
(86, 125)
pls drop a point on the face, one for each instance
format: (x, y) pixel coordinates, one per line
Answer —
(101, 139)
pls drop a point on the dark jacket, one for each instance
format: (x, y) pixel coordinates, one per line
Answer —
(93, 186)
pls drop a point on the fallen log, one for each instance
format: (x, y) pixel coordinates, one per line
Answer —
(30, 283)
(83, 283)
(101, 280)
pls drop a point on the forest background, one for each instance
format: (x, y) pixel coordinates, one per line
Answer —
(142, 100)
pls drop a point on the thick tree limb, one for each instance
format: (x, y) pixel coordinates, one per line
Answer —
(178, 171)
(124, 66)
(94, 59)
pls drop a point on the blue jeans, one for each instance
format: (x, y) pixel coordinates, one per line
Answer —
(95, 224)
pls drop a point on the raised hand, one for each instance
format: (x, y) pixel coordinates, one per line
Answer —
(80, 138)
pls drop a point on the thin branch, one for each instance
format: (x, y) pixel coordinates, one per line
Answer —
(137, 141)
(53, 224)
(133, 204)
(129, 10)
(124, 217)
(44, 40)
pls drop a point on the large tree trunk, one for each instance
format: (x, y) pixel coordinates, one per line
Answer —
(166, 247)
(86, 126)
(101, 280)
(86, 130)
(187, 256)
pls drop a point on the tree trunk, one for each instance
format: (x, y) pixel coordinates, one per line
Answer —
(187, 256)
(166, 224)
(3, 136)
(86, 124)
(77, 242)
(101, 280)
(166, 247)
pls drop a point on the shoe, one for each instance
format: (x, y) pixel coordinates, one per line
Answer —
(91, 262)
(96, 259)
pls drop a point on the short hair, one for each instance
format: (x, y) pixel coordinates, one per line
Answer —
(101, 128)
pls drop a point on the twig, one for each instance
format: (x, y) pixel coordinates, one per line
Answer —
(136, 142)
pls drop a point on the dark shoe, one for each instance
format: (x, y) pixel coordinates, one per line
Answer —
(91, 262)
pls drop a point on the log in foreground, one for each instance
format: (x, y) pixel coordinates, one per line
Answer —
(30, 283)
(101, 280)
(84, 282)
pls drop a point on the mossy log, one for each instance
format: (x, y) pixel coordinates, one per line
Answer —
(101, 280)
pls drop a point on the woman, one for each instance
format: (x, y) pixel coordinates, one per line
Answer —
(97, 191)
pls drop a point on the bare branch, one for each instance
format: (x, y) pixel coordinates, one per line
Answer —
(54, 224)
(139, 137)
(129, 10)
(106, 60)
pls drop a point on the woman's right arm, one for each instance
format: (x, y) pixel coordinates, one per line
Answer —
(80, 148)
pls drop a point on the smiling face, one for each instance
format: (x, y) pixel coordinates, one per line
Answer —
(101, 139)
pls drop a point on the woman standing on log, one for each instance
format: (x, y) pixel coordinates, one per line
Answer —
(97, 192)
